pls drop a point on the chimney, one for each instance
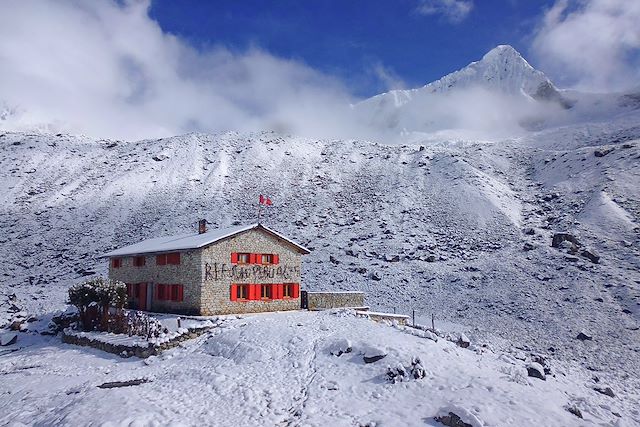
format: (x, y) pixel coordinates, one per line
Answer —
(202, 226)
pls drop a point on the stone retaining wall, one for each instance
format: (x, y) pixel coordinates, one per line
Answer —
(124, 350)
(328, 300)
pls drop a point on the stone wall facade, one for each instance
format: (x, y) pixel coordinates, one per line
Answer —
(207, 275)
(219, 274)
(328, 300)
(187, 273)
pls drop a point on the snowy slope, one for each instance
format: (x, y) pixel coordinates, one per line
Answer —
(278, 370)
(436, 228)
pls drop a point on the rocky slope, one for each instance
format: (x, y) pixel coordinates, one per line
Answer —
(461, 230)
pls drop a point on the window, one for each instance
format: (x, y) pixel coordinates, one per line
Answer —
(243, 258)
(139, 261)
(172, 258)
(265, 291)
(116, 262)
(287, 291)
(266, 258)
(242, 292)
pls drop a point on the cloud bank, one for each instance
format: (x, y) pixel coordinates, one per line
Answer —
(107, 69)
(591, 44)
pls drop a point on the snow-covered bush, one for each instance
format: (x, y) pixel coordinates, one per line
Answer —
(143, 325)
(94, 298)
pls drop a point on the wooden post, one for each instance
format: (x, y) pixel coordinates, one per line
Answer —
(433, 326)
(178, 323)
(413, 316)
(394, 310)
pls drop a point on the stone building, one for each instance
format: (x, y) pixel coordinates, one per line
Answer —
(233, 270)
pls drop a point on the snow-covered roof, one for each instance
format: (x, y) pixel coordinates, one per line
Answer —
(194, 241)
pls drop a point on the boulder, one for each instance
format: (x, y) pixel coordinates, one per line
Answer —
(573, 409)
(528, 247)
(605, 390)
(340, 347)
(452, 420)
(591, 255)
(8, 338)
(374, 354)
(529, 231)
(463, 341)
(583, 336)
(536, 370)
(375, 276)
(558, 238)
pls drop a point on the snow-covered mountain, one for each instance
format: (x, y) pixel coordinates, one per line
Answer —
(502, 69)
(499, 95)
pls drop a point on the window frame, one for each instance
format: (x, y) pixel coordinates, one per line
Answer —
(269, 259)
(139, 261)
(287, 290)
(266, 291)
(242, 288)
(242, 256)
(116, 262)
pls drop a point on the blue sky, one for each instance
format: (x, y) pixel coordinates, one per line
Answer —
(368, 44)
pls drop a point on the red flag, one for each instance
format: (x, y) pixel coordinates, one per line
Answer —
(264, 200)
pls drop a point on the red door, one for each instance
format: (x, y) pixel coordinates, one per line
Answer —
(142, 300)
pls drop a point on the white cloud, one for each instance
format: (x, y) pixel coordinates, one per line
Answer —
(107, 69)
(591, 44)
(453, 10)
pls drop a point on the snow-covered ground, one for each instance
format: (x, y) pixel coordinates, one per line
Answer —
(277, 369)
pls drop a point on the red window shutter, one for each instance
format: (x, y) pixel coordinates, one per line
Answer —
(233, 296)
(276, 258)
(252, 291)
(177, 258)
(252, 258)
(161, 259)
(234, 258)
(256, 292)
(278, 291)
(180, 292)
(296, 290)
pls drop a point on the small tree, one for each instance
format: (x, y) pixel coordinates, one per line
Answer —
(94, 298)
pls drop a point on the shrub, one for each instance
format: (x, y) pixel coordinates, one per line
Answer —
(94, 299)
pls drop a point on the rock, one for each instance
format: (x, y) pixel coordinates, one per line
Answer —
(8, 338)
(536, 370)
(394, 258)
(16, 325)
(333, 260)
(340, 347)
(574, 410)
(528, 247)
(558, 238)
(583, 336)
(591, 255)
(430, 258)
(452, 420)
(373, 354)
(375, 276)
(605, 390)
(601, 152)
(529, 231)
(463, 341)
(160, 157)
